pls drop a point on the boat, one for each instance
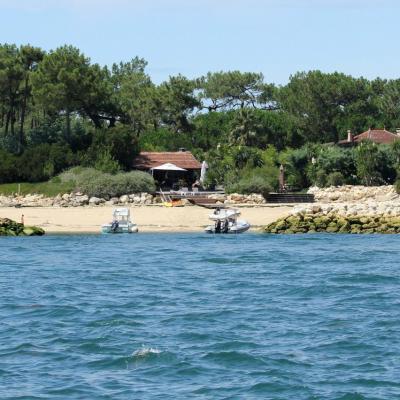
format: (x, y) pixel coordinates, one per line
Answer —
(121, 222)
(226, 221)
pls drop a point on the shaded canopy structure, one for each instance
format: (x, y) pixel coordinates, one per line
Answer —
(170, 169)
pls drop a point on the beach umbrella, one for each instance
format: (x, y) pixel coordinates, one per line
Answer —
(204, 167)
(168, 167)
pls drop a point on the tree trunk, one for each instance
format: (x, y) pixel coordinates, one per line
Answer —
(21, 138)
(68, 135)
(7, 122)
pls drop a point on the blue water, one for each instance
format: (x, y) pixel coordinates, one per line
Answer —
(182, 316)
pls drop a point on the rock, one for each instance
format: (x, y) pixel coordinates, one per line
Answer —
(9, 227)
(33, 231)
(95, 201)
(124, 199)
(335, 223)
(80, 200)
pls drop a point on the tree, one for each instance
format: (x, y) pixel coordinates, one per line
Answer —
(177, 101)
(135, 95)
(389, 103)
(11, 76)
(30, 58)
(367, 163)
(232, 89)
(245, 126)
(324, 104)
(65, 83)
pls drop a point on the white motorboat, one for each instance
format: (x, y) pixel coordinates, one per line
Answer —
(121, 222)
(226, 221)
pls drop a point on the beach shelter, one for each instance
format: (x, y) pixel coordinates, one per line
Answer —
(168, 167)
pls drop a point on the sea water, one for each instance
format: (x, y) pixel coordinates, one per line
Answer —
(182, 316)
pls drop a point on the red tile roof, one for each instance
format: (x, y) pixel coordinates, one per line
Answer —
(380, 136)
(182, 159)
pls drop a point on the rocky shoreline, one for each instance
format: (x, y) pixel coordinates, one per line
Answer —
(345, 209)
(334, 223)
(139, 199)
(9, 227)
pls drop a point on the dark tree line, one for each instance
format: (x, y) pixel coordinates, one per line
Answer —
(61, 97)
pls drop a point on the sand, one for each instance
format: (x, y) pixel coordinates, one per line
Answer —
(149, 218)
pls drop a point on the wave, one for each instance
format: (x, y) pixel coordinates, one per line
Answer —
(145, 351)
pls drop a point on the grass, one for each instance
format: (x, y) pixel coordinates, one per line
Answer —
(48, 189)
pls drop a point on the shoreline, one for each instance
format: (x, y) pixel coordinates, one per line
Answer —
(151, 219)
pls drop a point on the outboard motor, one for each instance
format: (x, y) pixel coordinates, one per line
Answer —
(114, 226)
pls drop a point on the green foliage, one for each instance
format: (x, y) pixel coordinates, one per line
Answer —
(244, 128)
(397, 186)
(163, 140)
(106, 163)
(254, 184)
(48, 189)
(321, 178)
(100, 117)
(8, 170)
(41, 162)
(335, 179)
(106, 185)
(227, 90)
(96, 183)
(118, 145)
(367, 163)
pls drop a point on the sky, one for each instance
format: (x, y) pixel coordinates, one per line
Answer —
(192, 37)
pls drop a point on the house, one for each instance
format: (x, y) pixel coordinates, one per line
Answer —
(378, 136)
(169, 169)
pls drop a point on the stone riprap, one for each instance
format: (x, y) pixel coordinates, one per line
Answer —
(368, 208)
(348, 193)
(80, 199)
(333, 223)
(9, 227)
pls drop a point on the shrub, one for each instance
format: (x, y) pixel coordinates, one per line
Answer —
(39, 163)
(120, 142)
(255, 184)
(397, 186)
(320, 178)
(106, 163)
(258, 180)
(96, 183)
(335, 179)
(8, 169)
(367, 162)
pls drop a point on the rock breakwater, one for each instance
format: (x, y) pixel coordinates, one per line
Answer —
(9, 227)
(334, 223)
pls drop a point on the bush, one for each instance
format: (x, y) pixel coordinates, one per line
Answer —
(106, 163)
(98, 184)
(39, 163)
(255, 184)
(258, 180)
(120, 142)
(397, 186)
(320, 178)
(335, 179)
(8, 169)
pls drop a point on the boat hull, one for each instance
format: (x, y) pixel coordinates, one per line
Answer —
(121, 229)
(234, 229)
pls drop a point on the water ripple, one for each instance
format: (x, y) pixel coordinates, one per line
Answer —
(177, 316)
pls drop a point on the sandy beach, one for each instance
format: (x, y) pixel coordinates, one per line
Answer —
(149, 218)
